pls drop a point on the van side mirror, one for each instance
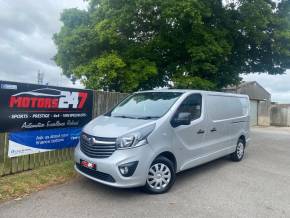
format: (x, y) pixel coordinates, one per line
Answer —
(182, 118)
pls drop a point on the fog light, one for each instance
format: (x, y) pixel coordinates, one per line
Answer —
(128, 169)
(124, 170)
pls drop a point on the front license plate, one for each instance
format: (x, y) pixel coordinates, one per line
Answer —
(88, 164)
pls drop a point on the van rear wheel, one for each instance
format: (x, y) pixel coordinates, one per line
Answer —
(239, 152)
(161, 176)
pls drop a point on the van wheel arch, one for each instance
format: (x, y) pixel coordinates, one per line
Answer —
(243, 138)
(170, 156)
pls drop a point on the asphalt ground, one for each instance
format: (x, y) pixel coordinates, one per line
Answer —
(259, 186)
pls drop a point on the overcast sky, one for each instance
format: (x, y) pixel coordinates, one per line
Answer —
(26, 46)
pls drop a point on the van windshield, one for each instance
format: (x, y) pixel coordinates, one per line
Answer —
(146, 105)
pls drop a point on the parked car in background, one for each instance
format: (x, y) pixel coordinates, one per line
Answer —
(152, 135)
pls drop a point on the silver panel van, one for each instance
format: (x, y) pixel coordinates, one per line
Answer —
(152, 135)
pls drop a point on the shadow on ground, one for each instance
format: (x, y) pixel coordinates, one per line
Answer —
(182, 178)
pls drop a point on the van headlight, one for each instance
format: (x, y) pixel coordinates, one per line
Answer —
(136, 138)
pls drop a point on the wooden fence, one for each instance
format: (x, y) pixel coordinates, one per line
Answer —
(103, 101)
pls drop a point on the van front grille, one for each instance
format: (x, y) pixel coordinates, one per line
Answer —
(97, 147)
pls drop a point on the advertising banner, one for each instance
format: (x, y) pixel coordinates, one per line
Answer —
(30, 142)
(26, 107)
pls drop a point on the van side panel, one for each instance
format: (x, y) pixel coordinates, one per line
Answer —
(231, 114)
(241, 125)
(227, 119)
(220, 112)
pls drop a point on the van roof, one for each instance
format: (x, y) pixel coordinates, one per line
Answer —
(193, 91)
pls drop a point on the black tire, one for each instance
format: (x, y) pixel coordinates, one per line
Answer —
(156, 163)
(237, 155)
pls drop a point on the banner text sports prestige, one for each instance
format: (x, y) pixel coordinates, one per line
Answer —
(34, 107)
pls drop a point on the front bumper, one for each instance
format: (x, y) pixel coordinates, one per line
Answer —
(109, 166)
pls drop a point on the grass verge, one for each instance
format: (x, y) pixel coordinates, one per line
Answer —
(21, 184)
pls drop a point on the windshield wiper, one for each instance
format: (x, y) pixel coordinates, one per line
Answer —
(148, 117)
(124, 116)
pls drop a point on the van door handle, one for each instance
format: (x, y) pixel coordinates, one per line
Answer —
(201, 131)
(213, 129)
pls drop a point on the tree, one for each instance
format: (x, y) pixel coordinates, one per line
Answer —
(128, 45)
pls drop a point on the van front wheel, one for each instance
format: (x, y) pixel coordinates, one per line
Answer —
(161, 176)
(240, 151)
